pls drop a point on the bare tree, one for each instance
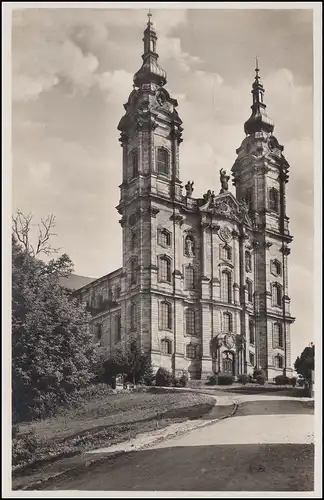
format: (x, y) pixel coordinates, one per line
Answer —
(22, 226)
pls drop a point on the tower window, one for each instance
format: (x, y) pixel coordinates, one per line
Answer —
(227, 322)
(117, 292)
(165, 269)
(274, 200)
(248, 199)
(190, 322)
(251, 358)
(133, 317)
(278, 361)
(226, 286)
(164, 238)
(276, 268)
(134, 163)
(191, 351)
(162, 161)
(166, 346)
(165, 316)
(133, 241)
(118, 327)
(227, 252)
(276, 295)
(278, 340)
(249, 288)
(251, 332)
(190, 278)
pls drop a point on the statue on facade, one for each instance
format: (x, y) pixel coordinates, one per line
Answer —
(224, 178)
(189, 247)
(189, 189)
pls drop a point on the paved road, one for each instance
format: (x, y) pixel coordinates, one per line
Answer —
(266, 446)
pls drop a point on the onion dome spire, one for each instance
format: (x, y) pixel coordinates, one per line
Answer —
(150, 71)
(259, 120)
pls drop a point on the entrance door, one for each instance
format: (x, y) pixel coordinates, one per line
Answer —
(228, 363)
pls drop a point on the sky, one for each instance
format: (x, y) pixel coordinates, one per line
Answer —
(72, 71)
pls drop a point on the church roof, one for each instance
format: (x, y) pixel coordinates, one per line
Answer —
(74, 281)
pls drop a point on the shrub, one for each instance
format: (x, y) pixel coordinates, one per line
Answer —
(183, 381)
(293, 381)
(163, 378)
(243, 379)
(24, 447)
(211, 380)
(257, 372)
(281, 380)
(260, 379)
(225, 379)
(300, 382)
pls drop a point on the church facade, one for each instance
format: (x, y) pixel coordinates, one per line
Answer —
(203, 284)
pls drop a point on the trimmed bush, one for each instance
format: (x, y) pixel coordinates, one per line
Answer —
(183, 381)
(258, 372)
(260, 379)
(211, 380)
(293, 381)
(225, 379)
(281, 380)
(243, 378)
(163, 378)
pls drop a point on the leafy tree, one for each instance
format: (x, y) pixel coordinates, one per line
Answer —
(130, 360)
(53, 353)
(305, 364)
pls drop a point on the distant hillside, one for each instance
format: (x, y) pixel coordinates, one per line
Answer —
(74, 281)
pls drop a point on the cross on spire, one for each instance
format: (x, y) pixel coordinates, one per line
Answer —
(149, 15)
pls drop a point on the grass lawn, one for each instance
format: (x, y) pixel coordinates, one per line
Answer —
(109, 419)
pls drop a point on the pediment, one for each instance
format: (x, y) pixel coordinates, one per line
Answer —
(225, 205)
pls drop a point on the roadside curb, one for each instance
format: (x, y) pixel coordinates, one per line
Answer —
(88, 463)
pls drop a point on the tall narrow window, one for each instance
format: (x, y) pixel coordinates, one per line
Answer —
(251, 332)
(276, 267)
(134, 163)
(251, 358)
(165, 269)
(133, 272)
(189, 278)
(249, 288)
(117, 292)
(191, 351)
(118, 327)
(274, 199)
(165, 316)
(133, 317)
(162, 161)
(227, 253)
(227, 322)
(166, 346)
(278, 340)
(133, 240)
(164, 238)
(277, 295)
(278, 361)
(190, 322)
(98, 331)
(248, 199)
(226, 284)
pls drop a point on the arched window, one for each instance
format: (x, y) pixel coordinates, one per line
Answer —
(274, 199)
(134, 163)
(251, 358)
(248, 261)
(278, 340)
(251, 332)
(227, 322)
(133, 272)
(278, 361)
(190, 322)
(165, 316)
(164, 238)
(165, 269)
(249, 288)
(226, 286)
(191, 351)
(118, 327)
(276, 267)
(166, 346)
(162, 161)
(276, 295)
(132, 311)
(189, 278)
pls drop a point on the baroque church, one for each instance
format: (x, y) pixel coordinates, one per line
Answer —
(203, 284)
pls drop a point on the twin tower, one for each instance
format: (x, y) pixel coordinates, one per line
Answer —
(204, 283)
